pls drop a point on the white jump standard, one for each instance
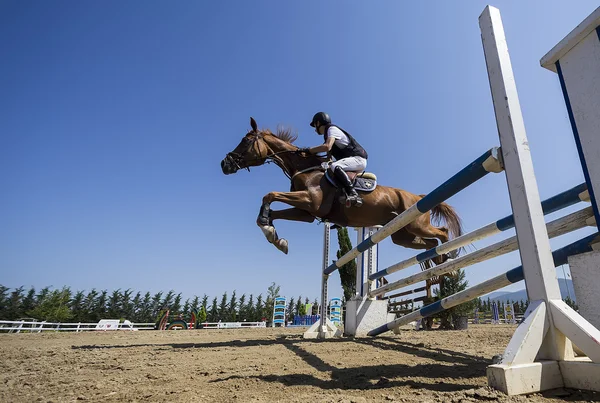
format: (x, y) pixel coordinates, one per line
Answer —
(540, 355)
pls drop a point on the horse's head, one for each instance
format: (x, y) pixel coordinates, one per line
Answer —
(252, 151)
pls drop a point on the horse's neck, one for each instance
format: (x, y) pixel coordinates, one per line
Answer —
(292, 162)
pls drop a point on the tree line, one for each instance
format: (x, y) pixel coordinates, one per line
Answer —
(64, 305)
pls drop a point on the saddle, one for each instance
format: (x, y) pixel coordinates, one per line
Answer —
(362, 182)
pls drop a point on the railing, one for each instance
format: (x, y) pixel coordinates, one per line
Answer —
(230, 325)
(17, 326)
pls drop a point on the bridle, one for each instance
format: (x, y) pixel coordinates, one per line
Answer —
(235, 159)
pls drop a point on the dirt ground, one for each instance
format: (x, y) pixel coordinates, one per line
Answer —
(257, 365)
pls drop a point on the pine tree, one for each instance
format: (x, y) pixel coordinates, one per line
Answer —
(28, 302)
(186, 308)
(157, 305)
(272, 293)
(223, 309)
(213, 314)
(347, 271)
(232, 309)
(195, 304)
(146, 309)
(202, 315)
(259, 312)
(3, 301)
(205, 302)
(167, 302)
(54, 307)
(251, 309)
(99, 309)
(126, 305)
(114, 304)
(89, 303)
(77, 307)
(242, 316)
(450, 286)
(290, 310)
(137, 308)
(176, 305)
(13, 311)
(302, 308)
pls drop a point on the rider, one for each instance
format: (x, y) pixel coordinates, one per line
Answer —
(348, 154)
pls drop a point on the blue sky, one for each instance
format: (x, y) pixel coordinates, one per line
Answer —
(114, 117)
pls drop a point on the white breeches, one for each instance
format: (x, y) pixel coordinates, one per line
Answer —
(353, 164)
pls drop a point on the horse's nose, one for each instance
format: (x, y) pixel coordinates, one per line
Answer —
(225, 167)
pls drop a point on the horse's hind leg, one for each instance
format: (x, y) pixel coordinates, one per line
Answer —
(423, 229)
(410, 237)
(408, 240)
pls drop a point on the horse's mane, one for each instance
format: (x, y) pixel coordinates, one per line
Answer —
(283, 134)
(287, 135)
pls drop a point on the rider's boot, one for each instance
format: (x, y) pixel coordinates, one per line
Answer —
(352, 197)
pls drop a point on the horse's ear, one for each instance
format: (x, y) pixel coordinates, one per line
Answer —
(253, 124)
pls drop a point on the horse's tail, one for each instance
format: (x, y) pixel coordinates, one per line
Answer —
(444, 211)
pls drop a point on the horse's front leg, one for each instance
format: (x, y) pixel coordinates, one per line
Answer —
(302, 211)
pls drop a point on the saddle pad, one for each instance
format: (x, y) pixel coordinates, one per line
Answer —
(363, 182)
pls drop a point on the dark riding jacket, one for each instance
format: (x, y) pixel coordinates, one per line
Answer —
(353, 149)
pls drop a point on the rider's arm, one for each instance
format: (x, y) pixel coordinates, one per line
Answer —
(325, 147)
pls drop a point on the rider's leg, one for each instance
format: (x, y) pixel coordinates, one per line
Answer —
(339, 170)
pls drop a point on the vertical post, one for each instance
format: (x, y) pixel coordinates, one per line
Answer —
(324, 328)
(366, 262)
(534, 245)
(325, 277)
(576, 61)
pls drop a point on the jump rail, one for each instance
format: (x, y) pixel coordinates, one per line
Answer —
(560, 226)
(490, 161)
(512, 276)
(401, 294)
(555, 203)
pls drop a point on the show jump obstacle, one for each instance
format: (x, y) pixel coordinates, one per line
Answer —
(540, 355)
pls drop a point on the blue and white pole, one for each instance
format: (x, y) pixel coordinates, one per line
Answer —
(560, 201)
(558, 227)
(490, 161)
(510, 277)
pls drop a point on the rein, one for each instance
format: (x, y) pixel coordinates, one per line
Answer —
(235, 158)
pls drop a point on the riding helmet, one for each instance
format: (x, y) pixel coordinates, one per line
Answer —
(320, 117)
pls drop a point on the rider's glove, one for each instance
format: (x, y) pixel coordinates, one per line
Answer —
(305, 150)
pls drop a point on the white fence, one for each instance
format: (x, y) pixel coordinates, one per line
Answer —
(230, 325)
(17, 326)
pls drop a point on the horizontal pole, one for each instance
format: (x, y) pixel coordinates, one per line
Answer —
(551, 205)
(515, 275)
(488, 162)
(407, 301)
(555, 228)
(401, 294)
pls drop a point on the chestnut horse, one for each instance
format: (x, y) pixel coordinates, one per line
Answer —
(312, 196)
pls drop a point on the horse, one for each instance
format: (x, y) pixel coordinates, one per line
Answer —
(312, 196)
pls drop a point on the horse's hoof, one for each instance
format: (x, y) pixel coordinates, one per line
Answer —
(269, 232)
(282, 245)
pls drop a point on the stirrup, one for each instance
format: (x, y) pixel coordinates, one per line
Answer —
(353, 200)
